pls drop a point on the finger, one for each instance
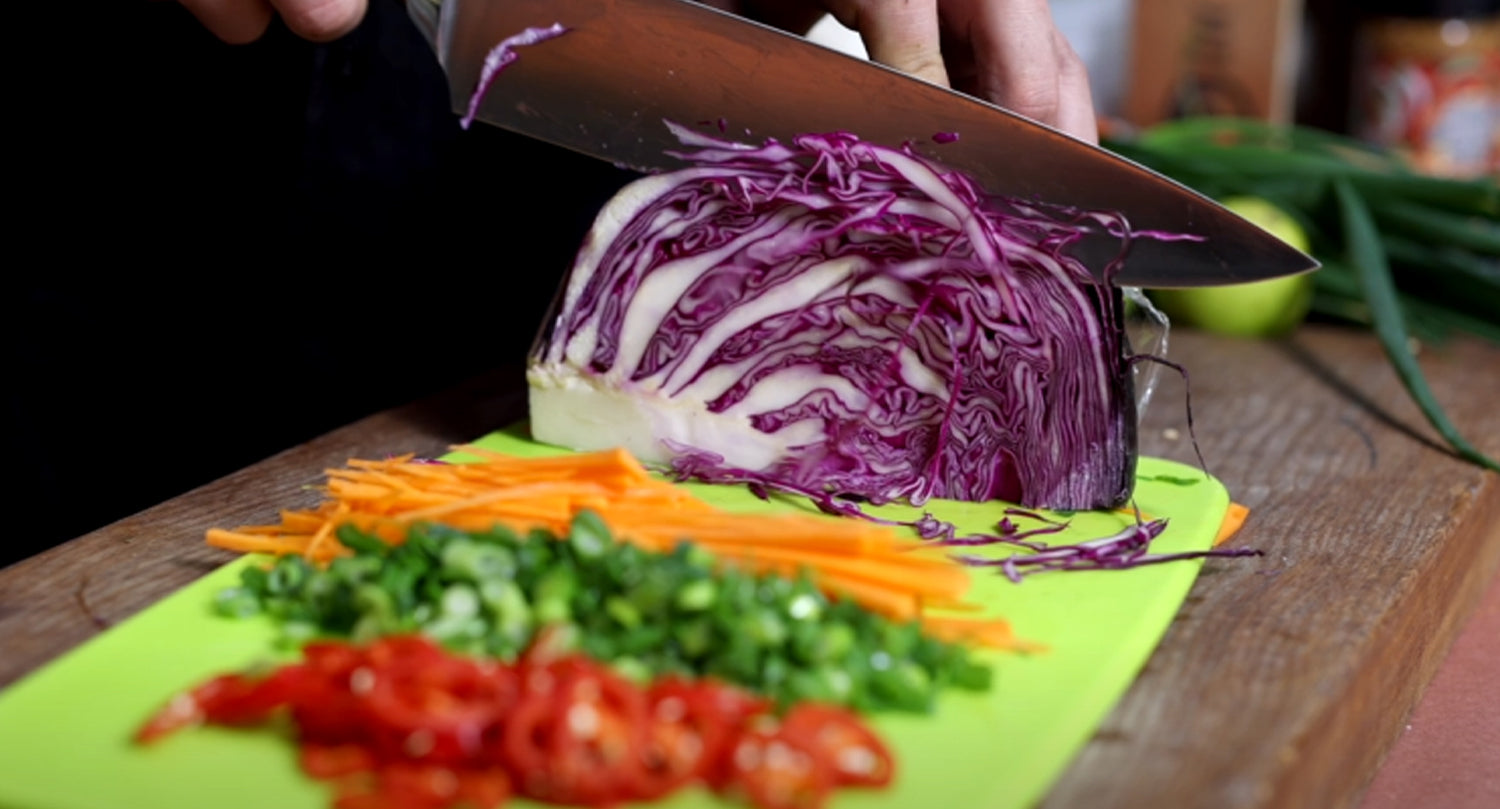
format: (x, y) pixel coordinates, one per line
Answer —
(902, 34)
(320, 20)
(1075, 104)
(1016, 59)
(235, 21)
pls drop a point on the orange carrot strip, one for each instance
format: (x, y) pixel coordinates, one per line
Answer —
(731, 534)
(300, 521)
(272, 530)
(253, 543)
(949, 605)
(891, 603)
(315, 545)
(995, 633)
(1234, 519)
(350, 490)
(948, 580)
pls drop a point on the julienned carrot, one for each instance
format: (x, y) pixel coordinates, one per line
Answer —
(1234, 519)
(324, 535)
(994, 634)
(902, 606)
(869, 563)
(254, 542)
(938, 579)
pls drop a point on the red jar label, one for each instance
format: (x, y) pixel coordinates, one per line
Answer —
(1431, 90)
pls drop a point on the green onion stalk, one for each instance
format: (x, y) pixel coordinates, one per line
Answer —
(1404, 254)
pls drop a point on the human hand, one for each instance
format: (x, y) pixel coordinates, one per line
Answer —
(241, 21)
(1008, 52)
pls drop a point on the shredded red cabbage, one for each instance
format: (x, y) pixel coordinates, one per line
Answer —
(500, 57)
(1123, 550)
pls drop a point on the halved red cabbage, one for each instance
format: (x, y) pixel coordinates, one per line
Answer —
(840, 318)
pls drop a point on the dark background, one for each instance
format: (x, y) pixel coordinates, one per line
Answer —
(224, 251)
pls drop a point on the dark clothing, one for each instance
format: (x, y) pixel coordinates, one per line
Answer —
(217, 242)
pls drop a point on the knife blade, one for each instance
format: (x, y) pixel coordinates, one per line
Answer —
(624, 67)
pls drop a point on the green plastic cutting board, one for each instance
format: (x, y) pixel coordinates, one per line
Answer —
(65, 730)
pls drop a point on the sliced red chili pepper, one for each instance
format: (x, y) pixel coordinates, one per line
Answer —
(729, 704)
(407, 651)
(483, 789)
(682, 736)
(528, 729)
(419, 786)
(365, 798)
(251, 700)
(228, 699)
(778, 770)
(179, 712)
(577, 735)
(328, 709)
(733, 710)
(447, 712)
(402, 724)
(404, 786)
(597, 758)
(851, 749)
(332, 658)
(527, 734)
(329, 761)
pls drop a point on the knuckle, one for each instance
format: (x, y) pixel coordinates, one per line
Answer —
(1035, 96)
(1069, 63)
(926, 64)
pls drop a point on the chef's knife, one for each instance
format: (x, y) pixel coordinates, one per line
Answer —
(625, 66)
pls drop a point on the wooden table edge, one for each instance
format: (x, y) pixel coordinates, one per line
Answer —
(1467, 567)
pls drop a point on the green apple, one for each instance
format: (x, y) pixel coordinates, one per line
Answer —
(1259, 309)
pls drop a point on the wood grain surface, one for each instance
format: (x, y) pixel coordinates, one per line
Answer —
(1282, 683)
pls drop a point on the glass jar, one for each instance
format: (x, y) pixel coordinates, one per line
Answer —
(1426, 83)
